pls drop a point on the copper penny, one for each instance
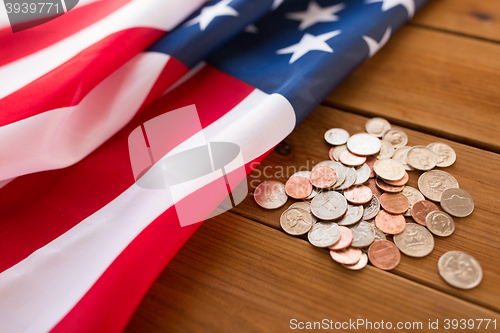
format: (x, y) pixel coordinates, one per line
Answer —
(330, 153)
(371, 183)
(370, 161)
(391, 224)
(420, 209)
(344, 241)
(350, 159)
(400, 182)
(384, 254)
(388, 188)
(298, 187)
(394, 203)
(358, 195)
(349, 256)
(323, 177)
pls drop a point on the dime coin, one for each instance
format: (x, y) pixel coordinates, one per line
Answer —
(371, 209)
(270, 194)
(421, 158)
(358, 195)
(372, 184)
(414, 241)
(363, 234)
(388, 188)
(336, 136)
(296, 221)
(400, 156)
(420, 209)
(457, 202)
(363, 144)
(298, 187)
(352, 216)
(400, 182)
(440, 223)
(396, 137)
(377, 126)
(394, 203)
(348, 256)
(360, 264)
(389, 223)
(460, 269)
(445, 154)
(329, 205)
(305, 206)
(362, 174)
(349, 159)
(340, 170)
(370, 161)
(413, 195)
(324, 234)
(433, 183)
(335, 152)
(383, 254)
(323, 177)
(386, 150)
(389, 169)
(344, 241)
(350, 179)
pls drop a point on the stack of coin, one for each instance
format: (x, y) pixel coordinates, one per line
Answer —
(357, 201)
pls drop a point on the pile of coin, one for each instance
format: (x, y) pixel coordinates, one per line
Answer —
(356, 202)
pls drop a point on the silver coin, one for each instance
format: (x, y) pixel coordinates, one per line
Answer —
(457, 202)
(324, 234)
(400, 156)
(362, 174)
(336, 136)
(379, 234)
(353, 215)
(421, 158)
(460, 269)
(350, 179)
(303, 205)
(337, 151)
(371, 208)
(363, 234)
(270, 194)
(440, 223)
(314, 192)
(377, 126)
(305, 174)
(386, 150)
(389, 169)
(296, 221)
(363, 144)
(413, 195)
(396, 137)
(446, 156)
(360, 264)
(340, 170)
(414, 241)
(329, 205)
(433, 183)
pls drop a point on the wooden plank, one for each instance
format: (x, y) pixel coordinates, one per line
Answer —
(236, 275)
(431, 81)
(478, 18)
(475, 171)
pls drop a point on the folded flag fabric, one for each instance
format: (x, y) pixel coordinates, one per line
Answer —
(82, 243)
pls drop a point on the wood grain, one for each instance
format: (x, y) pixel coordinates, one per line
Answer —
(430, 81)
(236, 275)
(477, 18)
(477, 234)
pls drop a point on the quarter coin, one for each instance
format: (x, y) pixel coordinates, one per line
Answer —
(336, 136)
(383, 254)
(324, 234)
(270, 194)
(352, 216)
(329, 205)
(363, 234)
(445, 154)
(296, 221)
(386, 150)
(440, 223)
(363, 144)
(371, 208)
(400, 156)
(460, 269)
(377, 126)
(396, 137)
(389, 169)
(457, 202)
(433, 183)
(362, 174)
(421, 158)
(415, 240)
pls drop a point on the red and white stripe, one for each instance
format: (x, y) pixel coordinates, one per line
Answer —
(104, 239)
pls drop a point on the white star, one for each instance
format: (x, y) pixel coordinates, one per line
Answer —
(388, 4)
(308, 43)
(373, 45)
(210, 12)
(315, 14)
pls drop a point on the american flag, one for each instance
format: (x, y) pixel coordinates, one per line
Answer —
(80, 242)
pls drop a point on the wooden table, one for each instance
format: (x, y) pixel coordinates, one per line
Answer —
(439, 80)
